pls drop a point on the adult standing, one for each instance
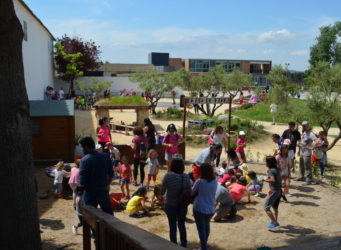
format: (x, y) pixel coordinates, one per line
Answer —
(205, 156)
(139, 146)
(61, 94)
(305, 152)
(174, 183)
(150, 132)
(95, 175)
(273, 111)
(103, 131)
(218, 137)
(227, 206)
(203, 191)
(294, 136)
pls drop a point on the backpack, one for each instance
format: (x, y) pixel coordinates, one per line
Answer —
(143, 151)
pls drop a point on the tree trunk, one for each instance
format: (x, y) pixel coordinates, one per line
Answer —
(19, 216)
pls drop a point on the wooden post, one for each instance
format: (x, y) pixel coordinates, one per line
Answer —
(184, 119)
(184, 126)
(86, 236)
(229, 123)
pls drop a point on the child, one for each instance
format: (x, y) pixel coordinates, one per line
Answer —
(320, 147)
(157, 199)
(241, 98)
(244, 170)
(59, 173)
(79, 194)
(283, 164)
(114, 155)
(273, 197)
(226, 177)
(74, 180)
(153, 166)
(222, 170)
(137, 203)
(238, 189)
(99, 148)
(171, 141)
(255, 185)
(241, 144)
(125, 176)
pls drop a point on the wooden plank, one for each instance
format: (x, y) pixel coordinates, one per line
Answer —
(86, 236)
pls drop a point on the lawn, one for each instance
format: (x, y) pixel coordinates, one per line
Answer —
(118, 100)
(261, 111)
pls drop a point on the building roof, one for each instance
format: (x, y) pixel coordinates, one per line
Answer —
(35, 17)
(52, 108)
(212, 59)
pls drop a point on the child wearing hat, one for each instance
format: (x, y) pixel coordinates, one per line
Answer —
(241, 144)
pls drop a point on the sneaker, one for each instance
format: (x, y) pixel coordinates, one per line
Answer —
(257, 195)
(289, 194)
(306, 183)
(300, 179)
(74, 229)
(284, 198)
(136, 215)
(273, 225)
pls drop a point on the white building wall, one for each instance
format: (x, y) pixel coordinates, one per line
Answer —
(37, 57)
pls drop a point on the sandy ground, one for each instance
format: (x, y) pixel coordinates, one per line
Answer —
(312, 211)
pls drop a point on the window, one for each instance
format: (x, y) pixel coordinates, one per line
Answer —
(25, 30)
(35, 127)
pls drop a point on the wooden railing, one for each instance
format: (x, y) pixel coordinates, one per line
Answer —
(114, 234)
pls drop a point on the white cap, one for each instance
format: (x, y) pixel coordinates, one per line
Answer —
(98, 146)
(305, 123)
(242, 133)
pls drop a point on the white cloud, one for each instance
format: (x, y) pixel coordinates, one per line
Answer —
(299, 53)
(279, 37)
(267, 51)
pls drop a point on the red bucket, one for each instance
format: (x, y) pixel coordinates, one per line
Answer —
(115, 199)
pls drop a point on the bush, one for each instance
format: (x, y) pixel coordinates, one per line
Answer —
(171, 114)
(118, 100)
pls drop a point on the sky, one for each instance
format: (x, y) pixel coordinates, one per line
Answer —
(127, 30)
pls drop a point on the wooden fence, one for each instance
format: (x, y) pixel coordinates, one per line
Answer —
(113, 234)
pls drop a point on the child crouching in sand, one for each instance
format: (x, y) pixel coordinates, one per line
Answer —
(137, 203)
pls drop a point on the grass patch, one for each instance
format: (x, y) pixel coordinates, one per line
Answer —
(261, 111)
(172, 114)
(124, 101)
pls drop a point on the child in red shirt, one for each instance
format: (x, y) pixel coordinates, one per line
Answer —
(125, 176)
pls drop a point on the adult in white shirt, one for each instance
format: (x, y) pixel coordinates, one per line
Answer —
(273, 110)
(306, 146)
(61, 94)
(218, 137)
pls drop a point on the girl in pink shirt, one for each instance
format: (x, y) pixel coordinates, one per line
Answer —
(74, 180)
(103, 131)
(171, 141)
(241, 144)
(238, 189)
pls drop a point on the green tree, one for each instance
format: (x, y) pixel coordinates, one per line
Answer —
(327, 48)
(324, 106)
(154, 86)
(72, 64)
(95, 85)
(216, 82)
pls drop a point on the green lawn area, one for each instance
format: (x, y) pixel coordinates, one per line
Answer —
(118, 100)
(261, 111)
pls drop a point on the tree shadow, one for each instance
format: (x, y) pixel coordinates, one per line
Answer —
(305, 189)
(304, 203)
(302, 195)
(293, 231)
(52, 224)
(235, 219)
(51, 245)
(211, 246)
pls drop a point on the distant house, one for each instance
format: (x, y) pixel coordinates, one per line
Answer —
(37, 52)
(53, 130)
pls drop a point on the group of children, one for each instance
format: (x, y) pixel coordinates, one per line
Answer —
(85, 102)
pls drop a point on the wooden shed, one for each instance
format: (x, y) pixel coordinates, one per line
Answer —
(53, 130)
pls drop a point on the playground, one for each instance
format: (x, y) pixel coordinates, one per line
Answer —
(311, 214)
